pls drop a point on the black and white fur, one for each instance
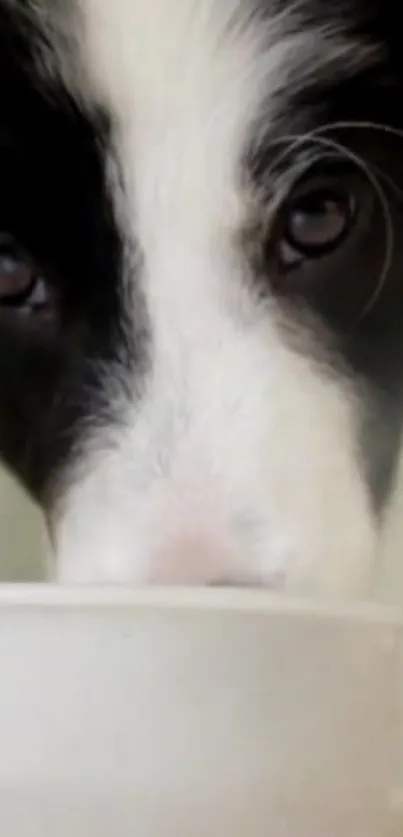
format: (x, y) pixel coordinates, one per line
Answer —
(184, 413)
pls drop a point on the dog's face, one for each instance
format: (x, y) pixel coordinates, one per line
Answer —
(201, 289)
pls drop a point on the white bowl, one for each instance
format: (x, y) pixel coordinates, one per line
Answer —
(196, 714)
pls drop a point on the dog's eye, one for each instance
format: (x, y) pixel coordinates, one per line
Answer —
(21, 286)
(316, 220)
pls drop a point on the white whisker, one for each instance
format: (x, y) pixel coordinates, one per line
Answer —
(359, 125)
(315, 137)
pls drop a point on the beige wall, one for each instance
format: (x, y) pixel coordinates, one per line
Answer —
(391, 565)
(21, 534)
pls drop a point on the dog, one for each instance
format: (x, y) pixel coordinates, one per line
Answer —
(201, 286)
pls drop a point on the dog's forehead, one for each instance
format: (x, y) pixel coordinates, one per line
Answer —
(189, 82)
(124, 53)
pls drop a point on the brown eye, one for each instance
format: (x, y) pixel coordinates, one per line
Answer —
(17, 276)
(316, 222)
(21, 287)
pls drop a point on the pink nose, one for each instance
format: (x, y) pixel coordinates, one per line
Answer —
(190, 559)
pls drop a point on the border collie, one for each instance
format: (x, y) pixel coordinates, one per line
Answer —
(201, 285)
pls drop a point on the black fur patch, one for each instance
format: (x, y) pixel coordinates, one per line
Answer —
(54, 201)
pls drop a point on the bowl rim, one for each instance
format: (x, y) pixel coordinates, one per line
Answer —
(50, 596)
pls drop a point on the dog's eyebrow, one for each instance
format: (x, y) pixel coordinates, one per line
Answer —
(304, 48)
(324, 77)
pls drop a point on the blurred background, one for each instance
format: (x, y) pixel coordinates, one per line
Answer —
(21, 534)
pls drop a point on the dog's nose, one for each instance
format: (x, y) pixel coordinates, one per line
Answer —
(193, 559)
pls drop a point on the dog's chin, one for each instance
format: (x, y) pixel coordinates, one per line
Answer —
(171, 540)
